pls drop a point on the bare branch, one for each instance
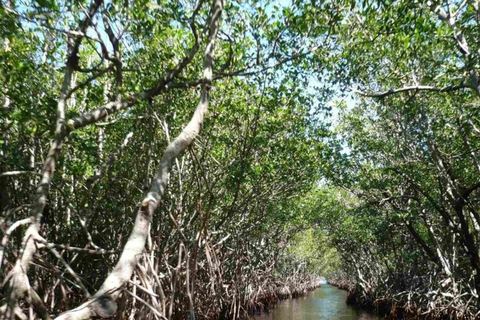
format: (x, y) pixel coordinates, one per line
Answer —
(15, 173)
(415, 88)
(87, 81)
(70, 270)
(249, 70)
(460, 7)
(462, 44)
(158, 314)
(76, 249)
(7, 235)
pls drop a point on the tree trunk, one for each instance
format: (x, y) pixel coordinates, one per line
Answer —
(103, 304)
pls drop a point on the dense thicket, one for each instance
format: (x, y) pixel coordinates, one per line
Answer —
(123, 79)
(410, 157)
(182, 160)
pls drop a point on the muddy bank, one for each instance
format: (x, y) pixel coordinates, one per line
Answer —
(384, 308)
(391, 309)
(265, 301)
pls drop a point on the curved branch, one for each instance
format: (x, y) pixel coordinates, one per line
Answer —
(7, 236)
(103, 302)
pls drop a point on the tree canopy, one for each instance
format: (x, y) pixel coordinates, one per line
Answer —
(201, 159)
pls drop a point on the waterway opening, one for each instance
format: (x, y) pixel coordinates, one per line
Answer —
(326, 302)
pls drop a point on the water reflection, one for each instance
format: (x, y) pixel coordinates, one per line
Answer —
(326, 302)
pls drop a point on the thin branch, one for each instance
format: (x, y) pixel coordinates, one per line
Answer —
(88, 80)
(7, 236)
(15, 173)
(158, 314)
(71, 33)
(70, 270)
(76, 249)
(460, 7)
(384, 94)
(247, 71)
(153, 294)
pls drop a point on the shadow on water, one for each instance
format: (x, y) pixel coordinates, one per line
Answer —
(327, 302)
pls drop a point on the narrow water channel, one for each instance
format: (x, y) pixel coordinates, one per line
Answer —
(327, 302)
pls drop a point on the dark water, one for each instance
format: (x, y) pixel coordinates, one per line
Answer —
(327, 302)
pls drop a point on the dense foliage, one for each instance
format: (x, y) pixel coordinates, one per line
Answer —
(410, 156)
(173, 160)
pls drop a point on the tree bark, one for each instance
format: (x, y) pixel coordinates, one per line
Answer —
(17, 277)
(103, 303)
